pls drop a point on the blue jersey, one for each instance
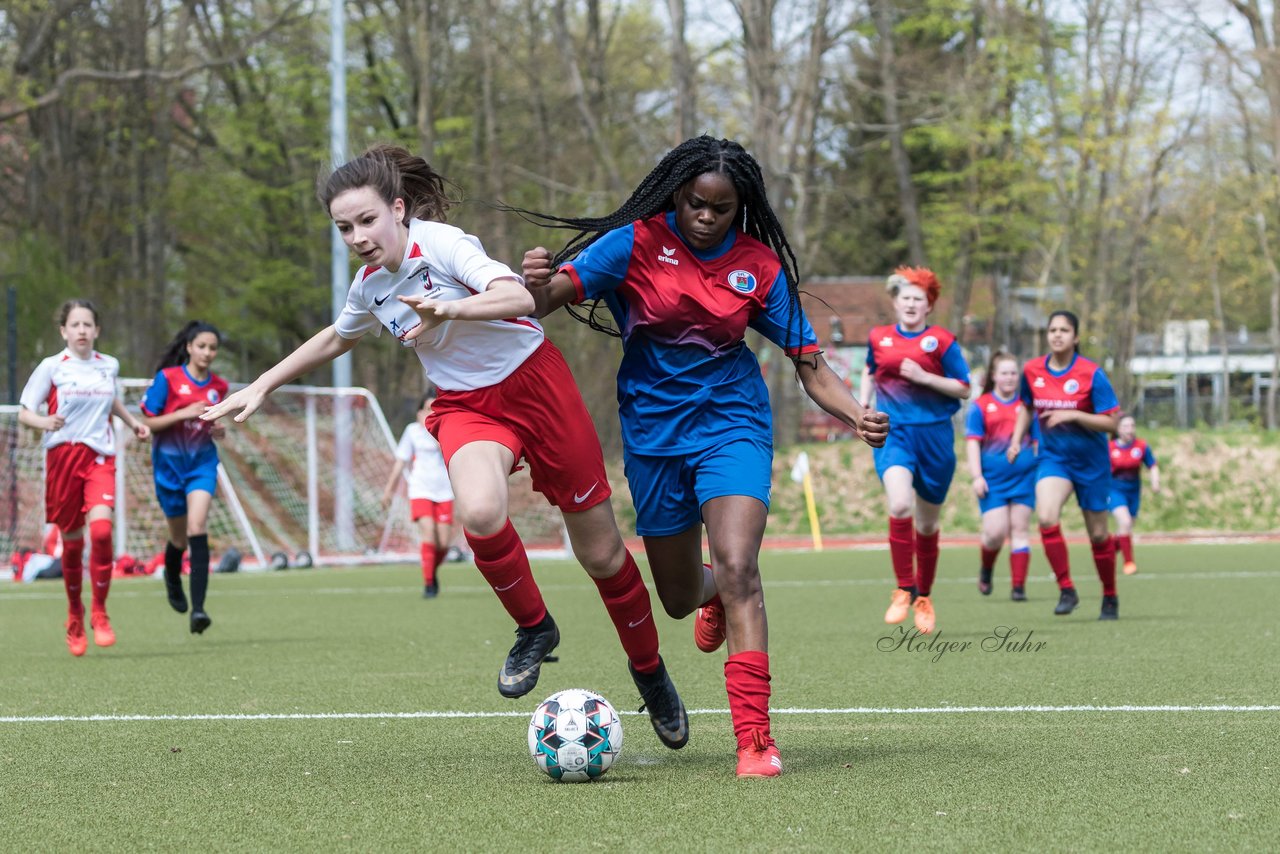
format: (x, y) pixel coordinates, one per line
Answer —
(688, 381)
(932, 348)
(186, 448)
(990, 421)
(1081, 386)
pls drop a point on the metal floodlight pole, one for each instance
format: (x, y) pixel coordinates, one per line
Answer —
(344, 523)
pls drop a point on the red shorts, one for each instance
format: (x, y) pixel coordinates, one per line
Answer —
(538, 414)
(76, 478)
(440, 511)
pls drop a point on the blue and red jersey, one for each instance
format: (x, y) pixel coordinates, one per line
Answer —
(687, 380)
(934, 349)
(1084, 387)
(991, 420)
(1127, 460)
(188, 445)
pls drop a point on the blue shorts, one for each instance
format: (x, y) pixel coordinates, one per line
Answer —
(1126, 493)
(173, 502)
(1004, 494)
(668, 492)
(1093, 493)
(928, 451)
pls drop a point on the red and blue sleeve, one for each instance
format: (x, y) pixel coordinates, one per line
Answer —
(975, 425)
(953, 364)
(1024, 393)
(871, 355)
(601, 267)
(1148, 457)
(157, 395)
(785, 323)
(1102, 395)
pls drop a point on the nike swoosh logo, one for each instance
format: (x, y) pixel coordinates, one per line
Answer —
(508, 587)
(639, 621)
(377, 301)
(578, 499)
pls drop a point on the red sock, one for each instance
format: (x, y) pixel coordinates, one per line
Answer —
(902, 550)
(627, 601)
(989, 557)
(1125, 542)
(1104, 558)
(101, 557)
(746, 678)
(926, 561)
(441, 553)
(73, 574)
(502, 561)
(1055, 549)
(1019, 560)
(429, 562)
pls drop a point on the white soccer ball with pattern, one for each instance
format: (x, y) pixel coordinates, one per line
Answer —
(575, 736)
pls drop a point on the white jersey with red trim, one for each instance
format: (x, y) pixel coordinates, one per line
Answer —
(444, 263)
(427, 475)
(82, 391)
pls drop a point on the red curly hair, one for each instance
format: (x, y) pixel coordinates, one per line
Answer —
(921, 277)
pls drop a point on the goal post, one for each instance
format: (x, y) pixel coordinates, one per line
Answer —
(305, 474)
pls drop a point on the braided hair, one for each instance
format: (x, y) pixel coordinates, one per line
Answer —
(655, 194)
(175, 352)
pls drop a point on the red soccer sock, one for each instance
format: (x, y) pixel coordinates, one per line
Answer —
(1125, 542)
(101, 558)
(989, 557)
(442, 552)
(1019, 560)
(429, 562)
(627, 601)
(926, 562)
(746, 678)
(1055, 549)
(902, 550)
(502, 561)
(1104, 558)
(73, 574)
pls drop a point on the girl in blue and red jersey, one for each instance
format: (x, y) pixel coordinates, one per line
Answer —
(184, 458)
(1076, 407)
(1006, 490)
(920, 378)
(692, 259)
(1128, 455)
(78, 389)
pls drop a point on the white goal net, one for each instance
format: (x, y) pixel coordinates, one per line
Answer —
(305, 474)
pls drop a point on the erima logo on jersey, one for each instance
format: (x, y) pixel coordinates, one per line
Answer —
(886, 342)
(1071, 386)
(991, 407)
(666, 258)
(184, 389)
(929, 344)
(742, 281)
(1039, 383)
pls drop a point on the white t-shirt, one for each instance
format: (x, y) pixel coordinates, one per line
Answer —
(82, 391)
(444, 263)
(427, 477)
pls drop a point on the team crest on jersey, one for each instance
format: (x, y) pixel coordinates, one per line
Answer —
(212, 395)
(1135, 453)
(929, 344)
(742, 281)
(425, 276)
(1071, 386)
(666, 258)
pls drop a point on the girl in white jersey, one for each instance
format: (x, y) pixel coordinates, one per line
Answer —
(430, 498)
(505, 393)
(78, 386)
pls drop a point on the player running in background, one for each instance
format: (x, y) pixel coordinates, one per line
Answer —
(1076, 406)
(690, 260)
(184, 458)
(920, 378)
(505, 393)
(1128, 455)
(430, 498)
(1006, 490)
(79, 387)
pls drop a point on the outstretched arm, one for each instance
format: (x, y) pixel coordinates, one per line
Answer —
(829, 391)
(503, 298)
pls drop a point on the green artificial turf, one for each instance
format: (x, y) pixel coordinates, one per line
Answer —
(1197, 629)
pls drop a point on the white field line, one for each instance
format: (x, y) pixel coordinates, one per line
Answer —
(856, 710)
(26, 594)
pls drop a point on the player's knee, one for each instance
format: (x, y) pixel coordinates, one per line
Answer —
(738, 578)
(483, 517)
(601, 558)
(900, 508)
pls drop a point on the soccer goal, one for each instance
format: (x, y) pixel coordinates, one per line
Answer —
(300, 480)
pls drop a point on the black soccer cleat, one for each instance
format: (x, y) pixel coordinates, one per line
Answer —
(173, 587)
(666, 711)
(199, 622)
(1110, 608)
(984, 582)
(431, 591)
(1068, 599)
(533, 646)
(1018, 594)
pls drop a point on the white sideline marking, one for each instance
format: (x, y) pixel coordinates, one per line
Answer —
(856, 710)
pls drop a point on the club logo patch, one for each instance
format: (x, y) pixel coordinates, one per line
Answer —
(742, 281)
(1135, 453)
(929, 343)
(1071, 386)
(212, 395)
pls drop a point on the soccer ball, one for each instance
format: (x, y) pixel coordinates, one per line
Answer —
(575, 735)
